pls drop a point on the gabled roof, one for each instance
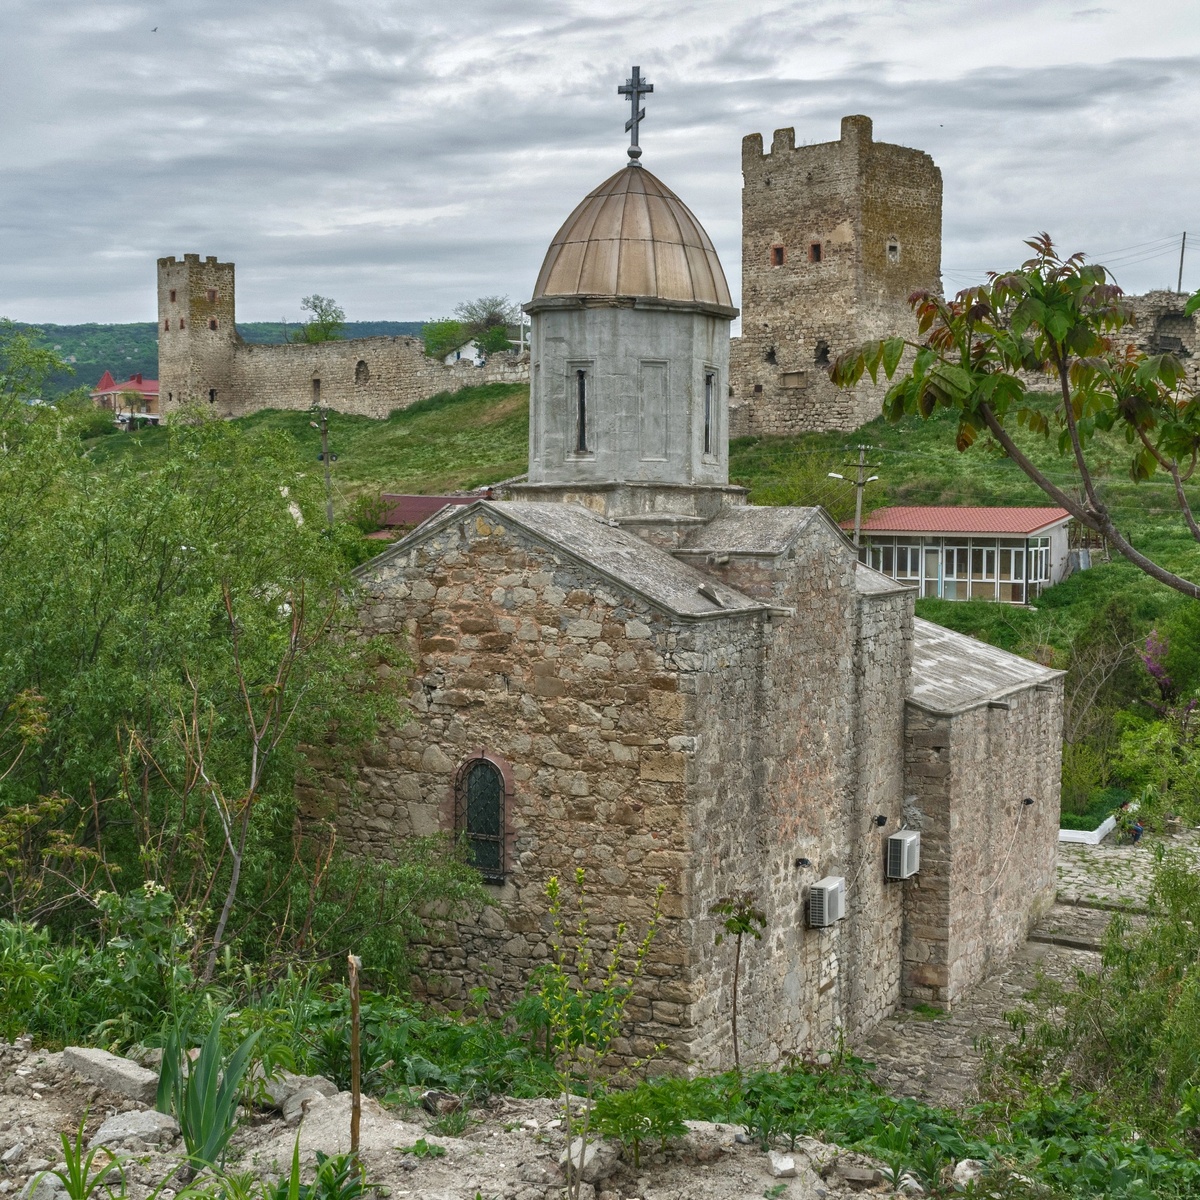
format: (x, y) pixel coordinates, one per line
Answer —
(952, 673)
(611, 551)
(763, 532)
(946, 518)
(135, 383)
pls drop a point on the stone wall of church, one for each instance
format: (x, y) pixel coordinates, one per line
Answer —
(988, 861)
(590, 698)
(791, 763)
(708, 756)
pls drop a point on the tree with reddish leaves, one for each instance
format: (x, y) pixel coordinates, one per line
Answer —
(1056, 316)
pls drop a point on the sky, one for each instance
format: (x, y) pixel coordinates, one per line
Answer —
(402, 158)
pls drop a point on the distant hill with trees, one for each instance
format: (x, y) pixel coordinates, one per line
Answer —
(132, 349)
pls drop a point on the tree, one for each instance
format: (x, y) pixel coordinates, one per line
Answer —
(328, 323)
(443, 336)
(24, 366)
(480, 316)
(1057, 316)
(741, 916)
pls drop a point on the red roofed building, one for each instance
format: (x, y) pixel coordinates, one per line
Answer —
(135, 397)
(1006, 554)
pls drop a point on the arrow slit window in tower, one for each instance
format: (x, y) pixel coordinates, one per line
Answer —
(581, 437)
(709, 388)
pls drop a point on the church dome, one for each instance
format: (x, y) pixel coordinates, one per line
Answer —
(633, 238)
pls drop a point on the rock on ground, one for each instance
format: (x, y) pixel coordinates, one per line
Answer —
(147, 1128)
(115, 1074)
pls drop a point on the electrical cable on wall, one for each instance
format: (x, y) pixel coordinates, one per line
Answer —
(1020, 813)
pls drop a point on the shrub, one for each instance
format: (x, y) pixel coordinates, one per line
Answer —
(442, 336)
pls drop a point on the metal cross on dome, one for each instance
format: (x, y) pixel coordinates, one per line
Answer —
(635, 87)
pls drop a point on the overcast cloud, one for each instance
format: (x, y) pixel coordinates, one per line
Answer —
(404, 157)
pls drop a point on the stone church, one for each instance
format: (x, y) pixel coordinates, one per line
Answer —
(627, 667)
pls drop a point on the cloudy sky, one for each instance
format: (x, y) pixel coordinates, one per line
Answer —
(402, 157)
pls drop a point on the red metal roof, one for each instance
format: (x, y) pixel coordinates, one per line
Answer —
(135, 383)
(937, 518)
(412, 510)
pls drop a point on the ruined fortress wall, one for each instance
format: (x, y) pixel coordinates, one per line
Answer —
(368, 377)
(874, 210)
(202, 360)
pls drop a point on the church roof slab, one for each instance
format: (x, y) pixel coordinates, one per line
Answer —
(953, 673)
(754, 531)
(611, 551)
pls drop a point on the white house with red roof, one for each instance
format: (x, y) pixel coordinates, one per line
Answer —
(969, 553)
(134, 397)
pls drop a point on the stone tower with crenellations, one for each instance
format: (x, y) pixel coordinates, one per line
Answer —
(196, 330)
(835, 237)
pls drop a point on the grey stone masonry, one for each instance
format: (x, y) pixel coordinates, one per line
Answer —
(111, 1072)
(835, 237)
(203, 360)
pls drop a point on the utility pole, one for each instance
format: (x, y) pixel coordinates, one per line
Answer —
(1182, 247)
(859, 484)
(324, 428)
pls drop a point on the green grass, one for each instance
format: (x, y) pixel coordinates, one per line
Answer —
(480, 435)
(448, 442)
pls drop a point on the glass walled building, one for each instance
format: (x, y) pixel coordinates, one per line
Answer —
(1005, 554)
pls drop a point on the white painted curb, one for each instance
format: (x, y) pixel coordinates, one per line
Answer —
(1094, 838)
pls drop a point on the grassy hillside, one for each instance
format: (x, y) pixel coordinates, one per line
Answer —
(448, 442)
(480, 435)
(133, 348)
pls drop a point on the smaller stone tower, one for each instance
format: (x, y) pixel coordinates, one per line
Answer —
(835, 238)
(196, 332)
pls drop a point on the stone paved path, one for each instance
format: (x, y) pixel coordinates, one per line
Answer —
(935, 1058)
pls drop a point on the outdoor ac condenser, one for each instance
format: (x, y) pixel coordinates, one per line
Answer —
(827, 901)
(903, 854)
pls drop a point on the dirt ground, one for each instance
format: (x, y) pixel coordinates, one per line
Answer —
(509, 1151)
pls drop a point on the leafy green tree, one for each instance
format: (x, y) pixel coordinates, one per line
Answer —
(480, 317)
(189, 633)
(328, 322)
(493, 340)
(443, 336)
(742, 916)
(24, 366)
(1058, 316)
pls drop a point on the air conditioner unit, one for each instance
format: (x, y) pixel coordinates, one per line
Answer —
(827, 901)
(903, 854)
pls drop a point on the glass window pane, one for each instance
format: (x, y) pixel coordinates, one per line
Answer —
(485, 817)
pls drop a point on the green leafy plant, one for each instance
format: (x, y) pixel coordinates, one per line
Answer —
(585, 1006)
(622, 1115)
(341, 1177)
(203, 1094)
(777, 1190)
(742, 917)
(451, 1124)
(1058, 316)
(422, 1149)
(78, 1178)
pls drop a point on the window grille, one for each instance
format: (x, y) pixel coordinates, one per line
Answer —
(479, 814)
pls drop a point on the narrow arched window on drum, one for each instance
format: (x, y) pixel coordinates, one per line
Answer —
(479, 814)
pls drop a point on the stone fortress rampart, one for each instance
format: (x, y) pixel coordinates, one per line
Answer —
(203, 360)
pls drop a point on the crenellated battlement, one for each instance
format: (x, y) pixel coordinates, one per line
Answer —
(835, 237)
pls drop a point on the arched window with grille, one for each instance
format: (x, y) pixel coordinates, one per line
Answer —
(481, 792)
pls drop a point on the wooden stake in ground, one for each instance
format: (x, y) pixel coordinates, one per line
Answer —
(355, 1076)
